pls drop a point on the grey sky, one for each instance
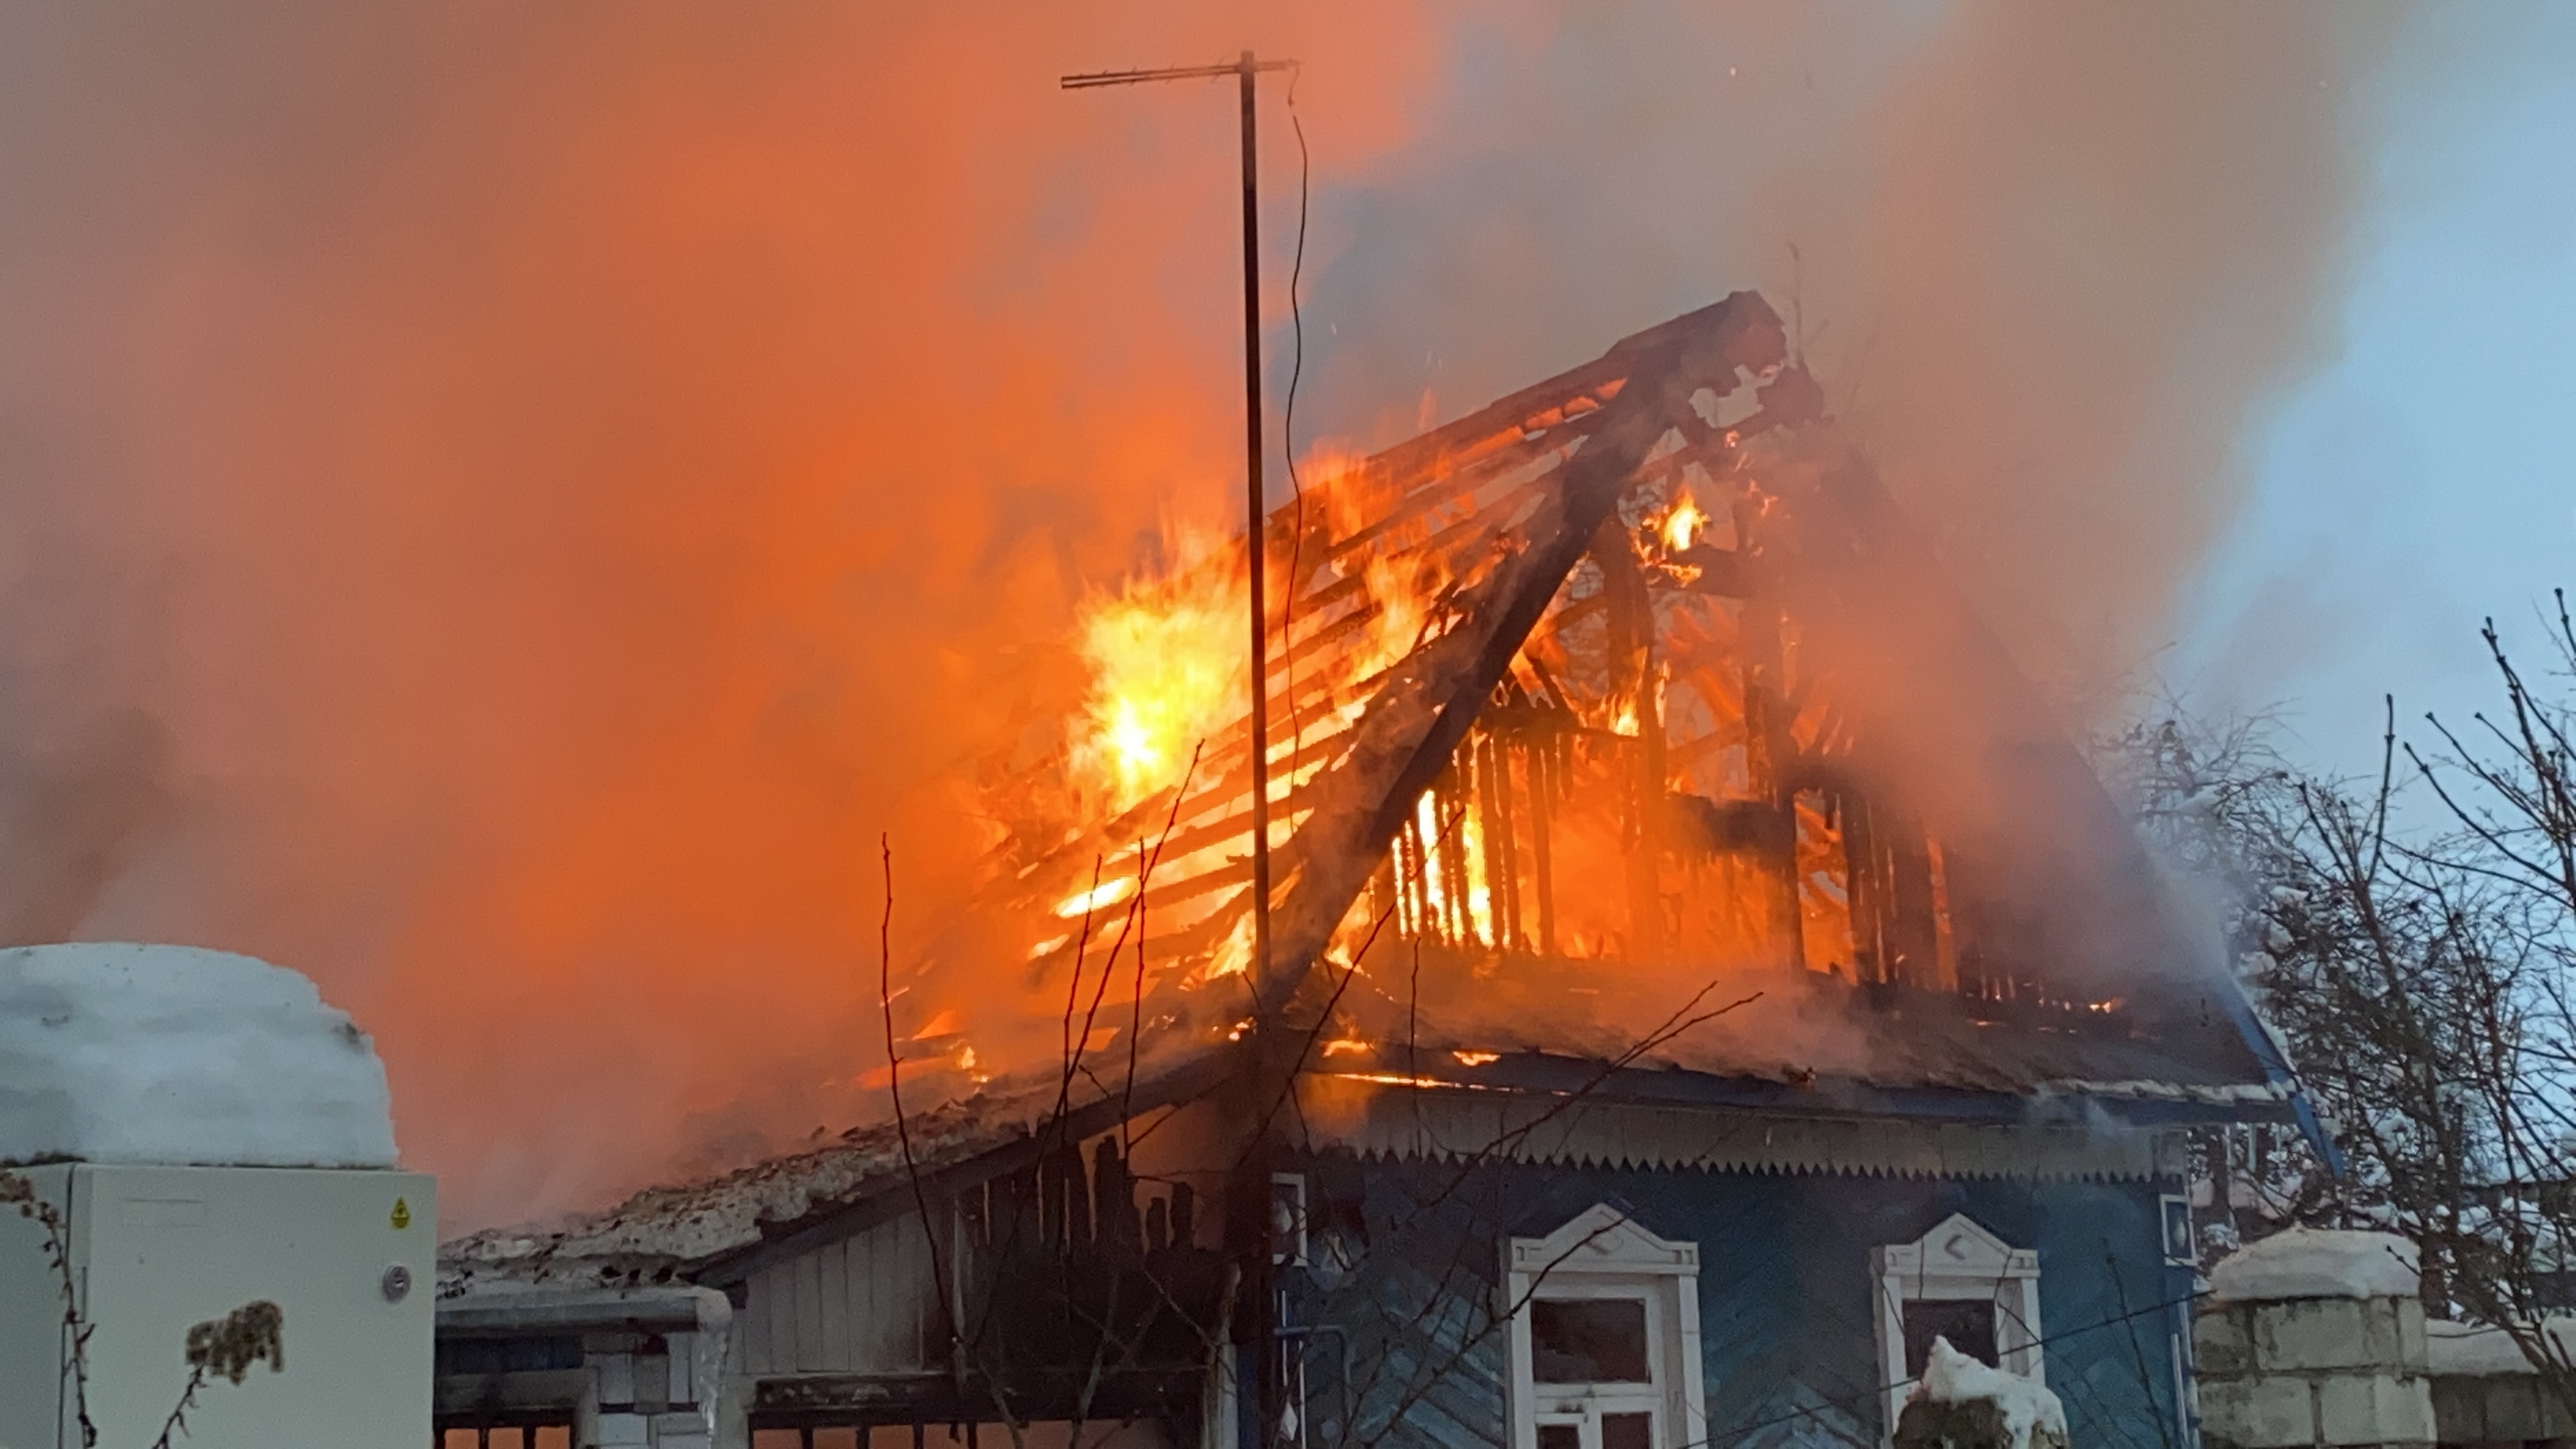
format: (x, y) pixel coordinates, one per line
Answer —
(2425, 476)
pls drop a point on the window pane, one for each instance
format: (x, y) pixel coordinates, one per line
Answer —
(1589, 1341)
(1969, 1324)
(1627, 1431)
(1559, 1436)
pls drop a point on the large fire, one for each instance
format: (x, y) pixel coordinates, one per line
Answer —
(1664, 771)
(1166, 658)
(1167, 662)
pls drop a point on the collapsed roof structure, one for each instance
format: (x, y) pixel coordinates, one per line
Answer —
(1642, 794)
(1628, 684)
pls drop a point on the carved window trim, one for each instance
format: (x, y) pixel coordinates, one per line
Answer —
(1602, 1253)
(1958, 1261)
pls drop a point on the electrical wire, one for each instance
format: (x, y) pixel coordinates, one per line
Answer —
(1288, 425)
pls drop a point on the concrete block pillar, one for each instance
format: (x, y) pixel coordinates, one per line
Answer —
(2314, 1339)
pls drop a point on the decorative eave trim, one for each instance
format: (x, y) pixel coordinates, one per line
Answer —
(1440, 1125)
(2138, 1102)
(2232, 1094)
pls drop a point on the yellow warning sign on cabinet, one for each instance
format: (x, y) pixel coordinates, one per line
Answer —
(402, 1214)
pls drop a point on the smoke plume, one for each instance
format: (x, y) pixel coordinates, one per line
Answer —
(505, 506)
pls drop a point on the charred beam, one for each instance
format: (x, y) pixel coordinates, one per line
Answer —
(1419, 718)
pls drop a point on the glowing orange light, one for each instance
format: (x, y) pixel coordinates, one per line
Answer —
(1683, 524)
(1234, 957)
(1398, 1079)
(1402, 592)
(1167, 669)
(1107, 893)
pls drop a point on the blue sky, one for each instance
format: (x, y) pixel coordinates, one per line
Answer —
(2423, 476)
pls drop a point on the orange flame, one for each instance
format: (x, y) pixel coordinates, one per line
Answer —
(1167, 662)
(1107, 893)
(1402, 593)
(1683, 523)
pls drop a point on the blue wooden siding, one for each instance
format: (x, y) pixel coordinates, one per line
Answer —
(1787, 1318)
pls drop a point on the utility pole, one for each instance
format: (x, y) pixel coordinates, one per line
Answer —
(1268, 1342)
(1245, 70)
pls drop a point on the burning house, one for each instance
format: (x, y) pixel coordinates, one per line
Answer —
(1698, 976)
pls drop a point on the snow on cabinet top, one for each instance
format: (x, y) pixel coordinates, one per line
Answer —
(173, 1054)
(2317, 1263)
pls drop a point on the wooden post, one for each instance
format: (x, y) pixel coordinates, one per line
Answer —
(1769, 752)
(1631, 638)
(1543, 777)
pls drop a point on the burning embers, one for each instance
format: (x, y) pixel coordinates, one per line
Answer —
(1637, 789)
(1546, 686)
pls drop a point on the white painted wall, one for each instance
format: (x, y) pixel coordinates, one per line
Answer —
(862, 1305)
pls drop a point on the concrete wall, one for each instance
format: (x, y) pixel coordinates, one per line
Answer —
(2513, 1409)
(2485, 1391)
(2300, 1372)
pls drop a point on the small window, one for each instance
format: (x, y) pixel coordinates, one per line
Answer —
(1604, 1338)
(1627, 1431)
(1969, 1324)
(1589, 1341)
(1960, 1282)
(2180, 1247)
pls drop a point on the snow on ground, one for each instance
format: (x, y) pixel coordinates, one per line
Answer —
(2317, 1263)
(173, 1054)
(1952, 1377)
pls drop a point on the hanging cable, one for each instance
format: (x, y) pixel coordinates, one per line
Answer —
(1288, 435)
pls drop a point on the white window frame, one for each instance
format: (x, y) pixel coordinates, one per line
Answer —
(1288, 1219)
(1601, 1253)
(1958, 1261)
(2173, 1221)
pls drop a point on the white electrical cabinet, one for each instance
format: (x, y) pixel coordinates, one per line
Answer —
(348, 1254)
